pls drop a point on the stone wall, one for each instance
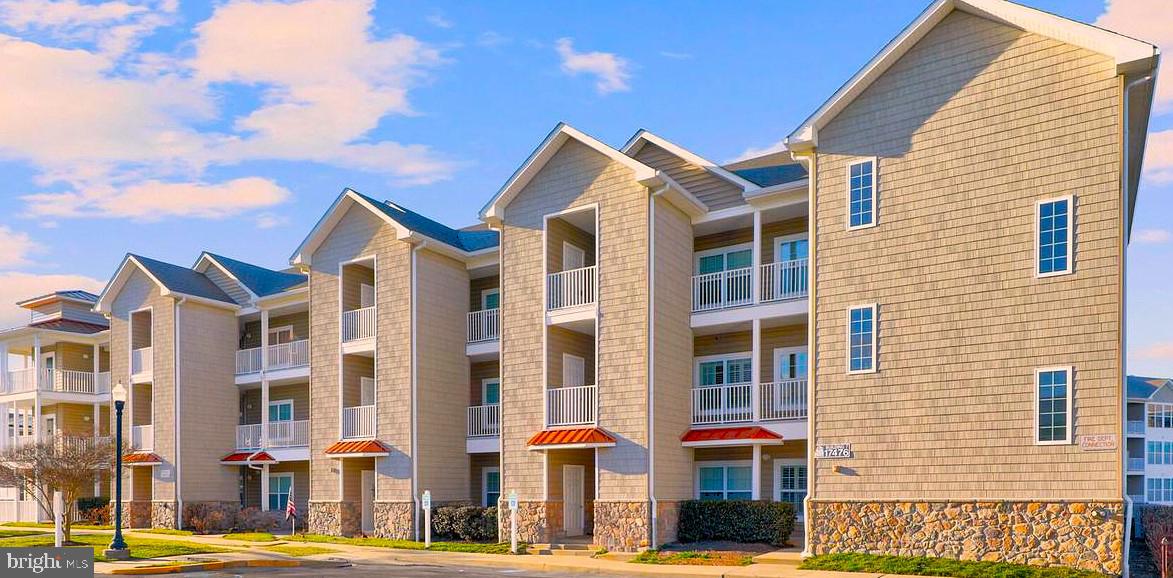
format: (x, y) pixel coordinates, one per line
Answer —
(163, 515)
(622, 526)
(335, 518)
(533, 525)
(135, 514)
(1085, 535)
(395, 520)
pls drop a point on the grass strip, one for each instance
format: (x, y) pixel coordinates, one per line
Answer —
(693, 558)
(470, 547)
(925, 566)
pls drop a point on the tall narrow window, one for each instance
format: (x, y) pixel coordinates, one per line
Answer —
(791, 481)
(1053, 390)
(861, 194)
(861, 339)
(1054, 236)
(491, 486)
(279, 487)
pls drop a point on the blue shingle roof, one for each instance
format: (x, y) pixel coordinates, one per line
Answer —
(259, 280)
(183, 280)
(1144, 387)
(461, 239)
(773, 175)
(76, 294)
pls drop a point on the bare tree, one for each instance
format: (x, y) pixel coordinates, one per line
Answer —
(65, 464)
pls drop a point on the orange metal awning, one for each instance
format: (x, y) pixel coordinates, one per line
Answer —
(729, 436)
(357, 449)
(585, 437)
(142, 459)
(247, 458)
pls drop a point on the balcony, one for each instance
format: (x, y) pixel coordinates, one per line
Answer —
(281, 356)
(570, 406)
(573, 288)
(141, 362)
(282, 434)
(783, 280)
(484, 420)
(142, 437)
(778, 281)
(1135, 427)
(484, 325)
(20, 380)
(56, 380)
(358, 324)
(1135, 464)
(358, 421)
(733, 403)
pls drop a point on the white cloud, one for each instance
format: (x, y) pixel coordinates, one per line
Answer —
(675, 55)
(17, 248)
(1161, 351)
(270, 220)
(612, 72)
(153, 200)
(15, 286)
(1158, 157)
(1153, 236)
(114, 27)
(439, 21)
(751, 153)
(1147, 20)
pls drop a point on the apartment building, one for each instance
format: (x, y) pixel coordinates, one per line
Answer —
(1149, 440)
(971, 193)
(54, 381)
(404, 313)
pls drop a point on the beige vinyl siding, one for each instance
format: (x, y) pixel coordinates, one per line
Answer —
(73, 419)
(770, 231)
(561, 341)
(354, 368)
(251, 334)
(779, 337)
(478, 372)
(299, 394)
(81, 313)
(478, 286)
(142, 408)
(715, 192)
(477, 465)
(671, 352)
(74, 356)
(443, 373)
(234, 290)
(577, 176)
(722, 344)
(1000, 119)
(559, 232)
(207, 395)
(301, 485)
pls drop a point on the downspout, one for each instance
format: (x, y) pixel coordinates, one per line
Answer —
(414, 397)
(178, 417)
(811, 471)
(652, 364)
(1124, 232)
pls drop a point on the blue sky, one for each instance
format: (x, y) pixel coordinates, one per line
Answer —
(166, 127)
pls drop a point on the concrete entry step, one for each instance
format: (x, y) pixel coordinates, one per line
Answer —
(570, 549)
(782, 558)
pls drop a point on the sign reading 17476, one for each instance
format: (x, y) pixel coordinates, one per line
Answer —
(834, 452)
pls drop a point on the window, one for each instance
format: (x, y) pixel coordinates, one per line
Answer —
(490, 487)
(366, 296)
(490, 299)
(1159, 453)
(1159, 490)
(279, 487)
(724, 481)
(572, 257)
(724, 370)
(724, 259)
(789, 363)
(490, 391)
(861, 194)
(279, 335)
(861, 339)
(1053, 250)
(1160, 415)
(281, 410)
(1053, 392)
(791, 484)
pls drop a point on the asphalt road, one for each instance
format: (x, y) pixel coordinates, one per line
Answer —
(405, 570)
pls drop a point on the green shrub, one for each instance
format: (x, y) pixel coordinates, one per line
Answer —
(736, 521)
(91, 503)
(94, 510)
(464, 522)
(1157, 523)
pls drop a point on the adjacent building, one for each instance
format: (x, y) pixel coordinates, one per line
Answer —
(1149, 445)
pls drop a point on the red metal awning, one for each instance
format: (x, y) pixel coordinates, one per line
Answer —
(141, 459)
(729, 436)
(247, 458)
(358, 449)
(584, 437)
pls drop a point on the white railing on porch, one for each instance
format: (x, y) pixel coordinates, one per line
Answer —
(104, 382)
(571, 405)
(248, 436)
(783, 280)
(358, 421)
(60, 380)
(141, 361)
(570, 288)
(358, 323)
(484, 420)
(484, 325)
(287, 355)
(142, 437)
(783, 400)
(20, 380)
(732, 288)
(289, 434)
(248, 360)
(722, 403)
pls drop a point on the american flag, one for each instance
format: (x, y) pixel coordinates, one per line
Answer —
(290, 509)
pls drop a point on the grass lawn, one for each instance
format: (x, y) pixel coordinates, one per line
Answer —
(167, 531)
(937, 567)
(299, 551)
(18, 533)
(50, 525)
(693, 558)
(251, 537)
(140, 548)
(473, 547)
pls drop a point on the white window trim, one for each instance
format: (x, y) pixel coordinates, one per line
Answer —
(697, 361)
(780, 351)
(280, 329)
(696, 474)
(484, 390)
(697, 255)
(1070, 235)
(279, 402)
(784, 239)
(875, 338)
(274, 476)
(485, 294)
(1070, 398)
(875, 192)
(778, 463)
(485, 485)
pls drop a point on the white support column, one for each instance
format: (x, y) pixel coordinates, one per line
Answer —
(97, 367)
(5, 381)
(37, 383)
(756, 286)
(265, 386)
(97, 418)
(265, 487)
(756, 371)
(755, 488)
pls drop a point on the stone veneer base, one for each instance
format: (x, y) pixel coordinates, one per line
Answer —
(622, 526)
(163, 515)
(395, 520)
(1084, 535)
(533, 525)
(335, 518)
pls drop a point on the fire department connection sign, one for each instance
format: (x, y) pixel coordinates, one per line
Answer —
(1097, 443)
(834, 452)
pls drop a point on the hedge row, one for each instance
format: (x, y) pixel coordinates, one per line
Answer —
(736, 521)
(466, 523)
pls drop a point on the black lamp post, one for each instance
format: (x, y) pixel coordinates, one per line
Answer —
(118, 549)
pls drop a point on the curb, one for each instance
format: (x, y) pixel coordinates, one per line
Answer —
(206, 566)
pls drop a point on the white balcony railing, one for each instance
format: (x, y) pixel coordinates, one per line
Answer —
(287, 355)
(484, 325)
(484, 420)
(1135, 464)
(783, 400)
(71, 381)
(783, 280)
(358, 323)
(248, 361)
(358, 421)
(1136, 427)
(104, 382)
(141, 361)
(732, 288)
(248, 436)
(289, 434)
(570, 288)
(20, 380)
(571, 405)
(722, 403)
(142, 437)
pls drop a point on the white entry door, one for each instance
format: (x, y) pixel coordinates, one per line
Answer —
(572, 257)
(573, 500)
(368, 501)
(573, 370)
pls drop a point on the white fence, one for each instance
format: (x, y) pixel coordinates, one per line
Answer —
(783, 280)
(20, 511)
(571, 405)
(570, 288)
(358, 323)
(142, 437)
(722, 403)
(248, 436)
(289, 434)
(484, 420)
(783, 400)
(141, 361)
(20, 380)
(484, 325)
(248, 361)
(287, 355)
(358, 421)
(722, 289)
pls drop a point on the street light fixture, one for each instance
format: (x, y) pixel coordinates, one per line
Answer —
(118, 549)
